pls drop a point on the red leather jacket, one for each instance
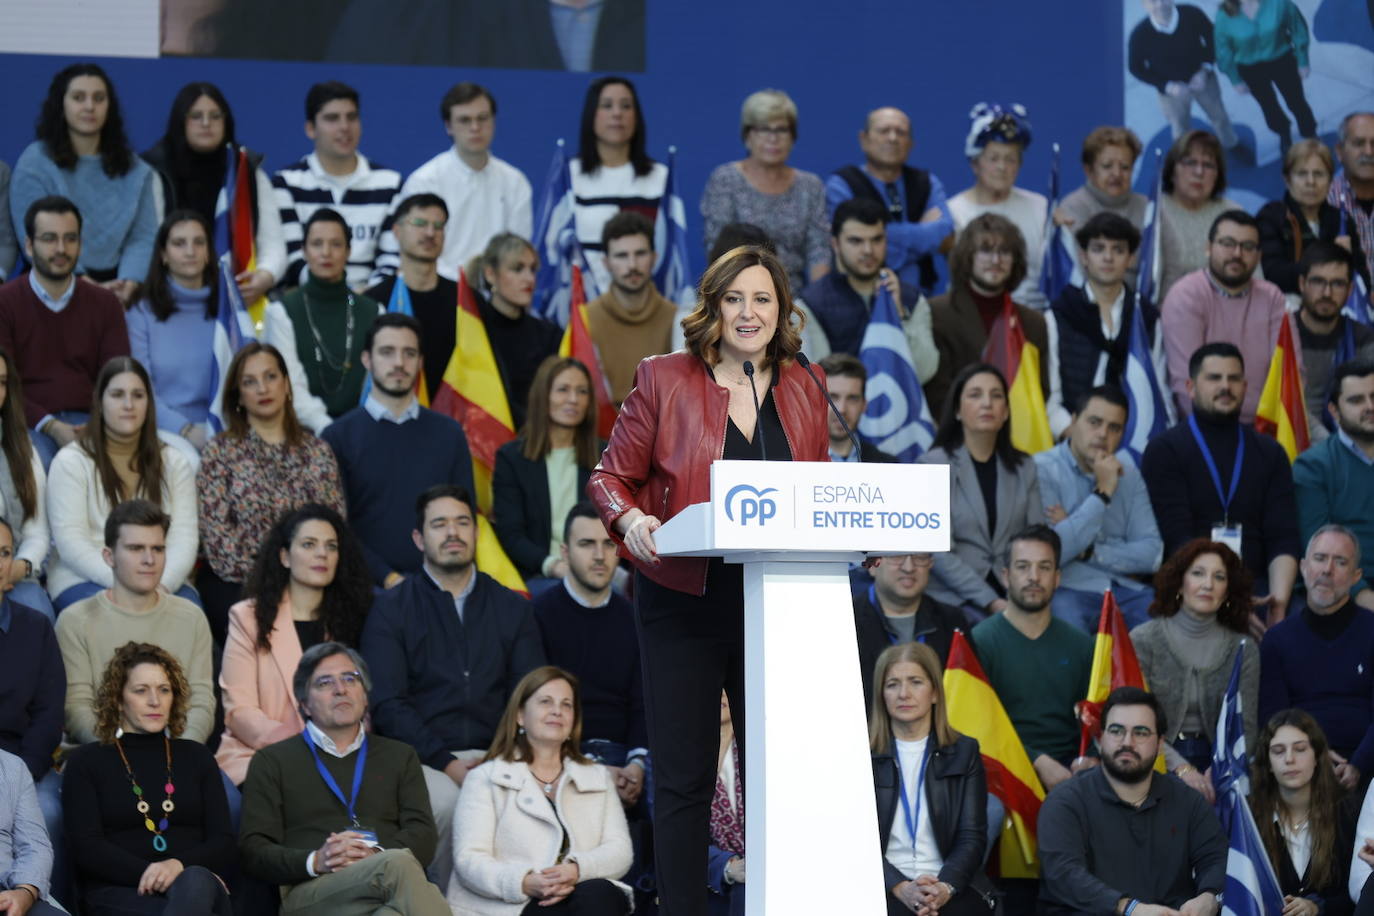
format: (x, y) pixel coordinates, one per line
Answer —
(670, 429)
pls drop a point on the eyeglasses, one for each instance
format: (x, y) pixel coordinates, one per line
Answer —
(205, 117)
(1226, 243)
(1198, 165)
(329, 681)
(994, 254)
(1139, 733)
(1318, 284)
(775, 132)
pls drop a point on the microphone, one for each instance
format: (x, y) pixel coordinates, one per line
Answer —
(758, 414)
(853, 436)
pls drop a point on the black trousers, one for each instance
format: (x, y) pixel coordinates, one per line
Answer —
(195, 892)
(1282, 72)
(216, 597)
(690, 648)
(597, 897)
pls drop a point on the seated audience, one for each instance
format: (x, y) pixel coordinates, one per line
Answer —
(895, 609)
(612, 171)
(140, 718)
(589, 630)
(725, 859)
(1192, 180)
(308, 586)
(1101, 509)
(1109, 156)
(1092, 324)
(543, 472)
(508, 851)
(1187, 466)
(1224, 302)
(1353, 187)
(842, 300)
(762, 189)
(261, 466)
(933, 842)
(484, 195)
(118, 457)
(1097, 830)
(447, 646)
(23, 497)
(294, 804)
(917, 214)
(846, 381)
(996, 142)
(631, 320)
(1188, 650)
(192, 164)
(81, 152)
(320, 326)
(421, 224)
(986, 267)
(134, 607)
(521, 342)
(336, 176)
(391, 449)
(24, 845)
(1326, 337)
(1334, 480)
(1308, 832)
(994, 492)
(1037, 664)
(9, 245)
(1321, 660)
(172, 327)
(60, 329)
(1288, 227)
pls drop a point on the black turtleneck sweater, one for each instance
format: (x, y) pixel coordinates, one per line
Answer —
(108, 841)
(1185, 499)
(520, 345)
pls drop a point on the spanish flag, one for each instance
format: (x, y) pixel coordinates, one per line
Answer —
(1114, 665)
(578, 343)
(975, 710)
(1282, 411)
(239, 196)
(1019, 359)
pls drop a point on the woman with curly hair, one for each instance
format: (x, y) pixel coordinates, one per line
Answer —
(310, 585)
(146, 820)
(1201, 614)
(1308, 832)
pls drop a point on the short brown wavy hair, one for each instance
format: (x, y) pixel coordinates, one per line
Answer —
(109, 699)
(1234, 613)
(702, 328)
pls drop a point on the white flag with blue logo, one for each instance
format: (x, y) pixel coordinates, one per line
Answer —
(1149, 413)
(555, 240)
(670, 241)
(897, 419)
(1058, 266)
(1148, 283)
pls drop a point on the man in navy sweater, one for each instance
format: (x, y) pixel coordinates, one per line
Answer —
(1322, 659)
(391, 449)
(447, 647)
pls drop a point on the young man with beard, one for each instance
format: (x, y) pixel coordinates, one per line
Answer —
(447, 647)
(1213, 476)
(1123, 839)
(1325, 336)
(1038, 665)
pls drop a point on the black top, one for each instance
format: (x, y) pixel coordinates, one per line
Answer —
(520, 345)
(437, 312)
(309, 632)
(33, 686)
(1158, 58)
(987, 482)
(522, 511)
(769, 425)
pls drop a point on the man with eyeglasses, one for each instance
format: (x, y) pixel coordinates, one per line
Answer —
(1122, 839)
(1224, 302)
(485, 195)
(1325, 336)
(337, 817)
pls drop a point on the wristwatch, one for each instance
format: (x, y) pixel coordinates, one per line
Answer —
(1106, 500)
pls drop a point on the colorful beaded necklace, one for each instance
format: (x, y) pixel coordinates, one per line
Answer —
(159, 841)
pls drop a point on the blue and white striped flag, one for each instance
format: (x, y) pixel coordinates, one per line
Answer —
(1148, 284)
(1149, 413)
(1357, 305)
(1058, 266)
(1252, 889)
(555, 239)
(897, 419)
(233, 325)
(670, 241)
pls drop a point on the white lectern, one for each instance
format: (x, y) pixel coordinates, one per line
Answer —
(810, 821)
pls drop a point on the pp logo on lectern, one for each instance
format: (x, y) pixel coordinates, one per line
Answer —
(756, 506)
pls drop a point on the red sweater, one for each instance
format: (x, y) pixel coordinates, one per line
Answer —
(59, 354)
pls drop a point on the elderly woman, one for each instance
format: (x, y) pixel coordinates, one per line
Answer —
(1201, 614)
(146, 818)
(1109, 155)
(686, 410)
(762, 189)
(538, 824)
(1193, 179)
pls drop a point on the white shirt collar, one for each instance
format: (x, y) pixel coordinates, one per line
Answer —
(61, 301)
(1169, 27)
(377, 411)
(326, 743)
(576, 596)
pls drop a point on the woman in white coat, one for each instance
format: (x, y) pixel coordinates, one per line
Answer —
(539, 828)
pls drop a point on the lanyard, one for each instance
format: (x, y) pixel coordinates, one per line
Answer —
(892, 637)
(349, 803)
(912, 816)
(1212, 466)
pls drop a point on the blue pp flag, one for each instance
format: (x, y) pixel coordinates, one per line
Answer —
(1144, 389)
(1357, 305)
(1148, 285)
(1058, 268)
(897, 419)
(670, 240)
(233, 325)
(555, 239)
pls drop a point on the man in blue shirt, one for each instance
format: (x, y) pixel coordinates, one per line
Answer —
(1101, 509)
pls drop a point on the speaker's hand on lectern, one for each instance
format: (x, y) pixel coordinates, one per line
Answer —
(638, 531)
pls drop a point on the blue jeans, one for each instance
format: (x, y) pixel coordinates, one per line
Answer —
(83, 590)
(30, 594)
(234, 797)
(49, 790)
(1083, 609)
(46, 445)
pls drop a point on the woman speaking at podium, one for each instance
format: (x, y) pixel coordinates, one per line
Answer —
(686, 410)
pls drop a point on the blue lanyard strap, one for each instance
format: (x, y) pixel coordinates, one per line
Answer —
(351, 802)
(1212, 465)
(913, 815)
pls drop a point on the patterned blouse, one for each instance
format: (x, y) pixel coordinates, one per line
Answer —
(246, 484)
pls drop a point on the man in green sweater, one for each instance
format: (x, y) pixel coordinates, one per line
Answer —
(337, 817)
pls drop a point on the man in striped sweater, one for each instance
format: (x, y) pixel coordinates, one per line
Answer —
(336, 175)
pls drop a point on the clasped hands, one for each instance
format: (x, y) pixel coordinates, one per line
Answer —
(341, 850)
(924, 896)
(550, 885)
